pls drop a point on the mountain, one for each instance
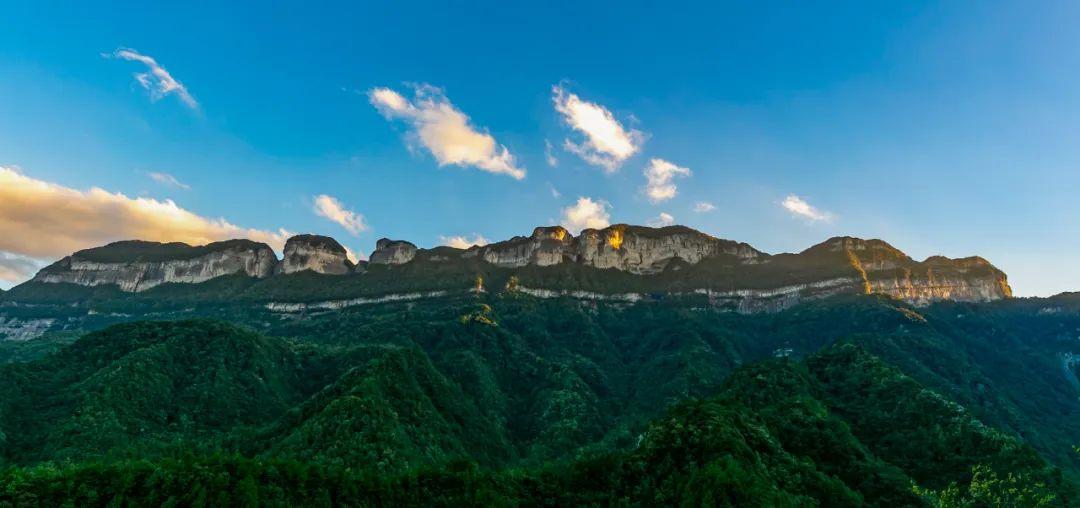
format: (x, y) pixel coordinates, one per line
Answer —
(320, 254)
(627, 365)
(619, 263)
(137, 265)
(467, 405)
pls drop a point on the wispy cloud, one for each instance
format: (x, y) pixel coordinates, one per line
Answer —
(445, 131)
(461, 242)
(661, 179)
(606, 142)
(586, 213)
(800, 208)
(332, 209)
(549, 154)
(15, 268)
(41, 219)
(554, 191)
(704, 207)
(156, 79)
(664, 219)
(168, 180)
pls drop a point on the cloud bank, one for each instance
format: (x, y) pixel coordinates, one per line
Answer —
(445, 131)
(586, 214)
(661, 179)
(606, 142)
(332, 209)
(800, 208)
(44, 220)
(156, 79)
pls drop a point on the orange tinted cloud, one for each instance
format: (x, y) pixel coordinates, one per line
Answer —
(45, 220)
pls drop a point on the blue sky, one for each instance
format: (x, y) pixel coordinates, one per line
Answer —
(943, 128)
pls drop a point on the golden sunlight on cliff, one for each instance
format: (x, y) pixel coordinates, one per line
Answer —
(615, 239)
(857, 265)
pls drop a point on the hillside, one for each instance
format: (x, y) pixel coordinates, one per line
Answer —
(868, 396)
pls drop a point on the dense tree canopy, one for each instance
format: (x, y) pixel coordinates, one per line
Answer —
(520, 401)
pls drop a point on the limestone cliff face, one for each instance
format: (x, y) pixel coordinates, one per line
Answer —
(392, 252)
(320, 254)
(643, 250)
(547, 246)
(633, 249)
(886, 270)
(138, 265)
(655, 261)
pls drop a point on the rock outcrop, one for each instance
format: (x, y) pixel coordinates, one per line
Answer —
(634, 249)
(392, 252)
(884, 269)
(626, 260)
(642, 250)
(547, 246)
(320, 254)
(138, 265)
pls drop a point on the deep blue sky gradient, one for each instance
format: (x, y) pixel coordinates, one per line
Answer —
(943, 128)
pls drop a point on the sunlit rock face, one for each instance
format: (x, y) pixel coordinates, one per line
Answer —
(883, 269)
(547, 246)
(642, 250)
(320, 254)
(138, 266)
(671, 260)
(392, 252)
(633, 249)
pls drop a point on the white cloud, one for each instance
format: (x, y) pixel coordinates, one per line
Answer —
(704, 207)
(549, 154)
(352, 255)
(330, 208)
(664, 219)
(15, 268)
(44, 220)
(445, 131)
(461, 242)
(800, 208)
(554, 191)
(156, 79)
(586, 214)
(168, 180)
(661, 175)
(607, 143)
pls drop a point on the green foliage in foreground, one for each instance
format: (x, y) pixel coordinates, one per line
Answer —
(525, 402)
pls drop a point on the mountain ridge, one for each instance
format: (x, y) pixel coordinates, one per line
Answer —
(621, 261)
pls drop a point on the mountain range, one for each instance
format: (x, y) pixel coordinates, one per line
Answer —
(620, 263)
(627, 365)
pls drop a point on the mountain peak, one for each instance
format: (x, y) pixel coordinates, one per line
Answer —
(320, 254)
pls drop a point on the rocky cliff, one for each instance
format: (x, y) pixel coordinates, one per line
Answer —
(138, 266)
(392, 252)
(633, 249)
(884, 269)
(632, 262)
(320, 254)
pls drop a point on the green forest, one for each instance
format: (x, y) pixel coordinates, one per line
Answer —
(509, 400)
